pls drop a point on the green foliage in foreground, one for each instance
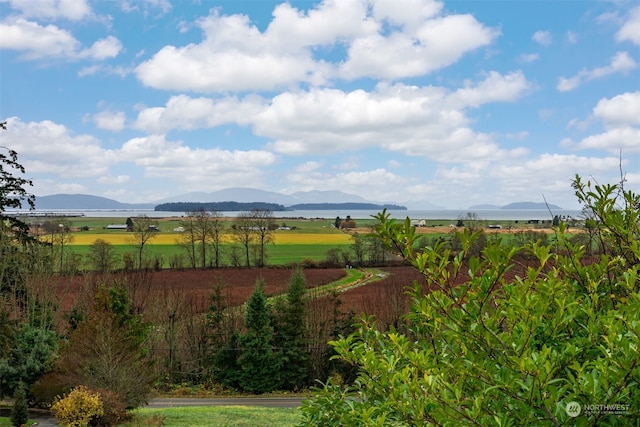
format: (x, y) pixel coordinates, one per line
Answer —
(218, 416)
(498, 349)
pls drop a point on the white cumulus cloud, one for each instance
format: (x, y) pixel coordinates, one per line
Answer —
(621, 62)
(50, 148)
(437, 43)
(73, 10)
(184, 112)
(235, 55)
(36, 41)
(543, 37)
(108, 47)
(630, 30)
(110, 120)
(495, 87)
(620, 116)
(196, 169)
(623, 109)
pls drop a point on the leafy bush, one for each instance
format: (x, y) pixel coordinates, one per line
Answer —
(107, 350)
(503, 348)
(77, 408)
(48, 387)
(114, 411)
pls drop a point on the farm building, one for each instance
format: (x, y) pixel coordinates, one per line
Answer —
(116, 227)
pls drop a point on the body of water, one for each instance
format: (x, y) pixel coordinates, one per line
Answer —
(444, 214)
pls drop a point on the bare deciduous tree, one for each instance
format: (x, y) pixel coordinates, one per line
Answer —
(202, 230)
(263, 225)
(144, 229)
(243, 234)
(187, 239)
(215, 233)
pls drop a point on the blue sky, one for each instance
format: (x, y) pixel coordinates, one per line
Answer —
(455, 103)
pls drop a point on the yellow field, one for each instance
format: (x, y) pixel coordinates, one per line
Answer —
(170, 238)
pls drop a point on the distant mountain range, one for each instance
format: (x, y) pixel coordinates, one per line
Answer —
(241, 195)
(517, 205)
(249, 195)
(274, 207)
(85, 202)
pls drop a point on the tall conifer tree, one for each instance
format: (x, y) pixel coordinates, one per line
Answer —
(291, 333)
(258, 361)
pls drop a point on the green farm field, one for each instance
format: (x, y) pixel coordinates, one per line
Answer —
(277, 254)
(307, 239)
(303, 239)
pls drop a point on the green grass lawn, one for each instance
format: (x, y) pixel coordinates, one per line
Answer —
(6, 422)
(218, 416)
(206, 416)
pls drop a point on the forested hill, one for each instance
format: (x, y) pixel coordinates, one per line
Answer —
(218, 206)
(344, 206)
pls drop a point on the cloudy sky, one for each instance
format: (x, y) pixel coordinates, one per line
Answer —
(452, 102)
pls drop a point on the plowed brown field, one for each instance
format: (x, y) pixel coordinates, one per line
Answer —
(198, 285)
(385, 298)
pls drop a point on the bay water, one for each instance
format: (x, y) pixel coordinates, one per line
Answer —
(430, 214)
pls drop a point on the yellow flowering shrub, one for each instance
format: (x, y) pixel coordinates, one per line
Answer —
(77, 408)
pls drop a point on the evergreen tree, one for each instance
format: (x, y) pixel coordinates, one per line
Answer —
(20, 412)
(32, 354)
(223, 340)
(258, 361)
(291, 335)
(227, 369)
